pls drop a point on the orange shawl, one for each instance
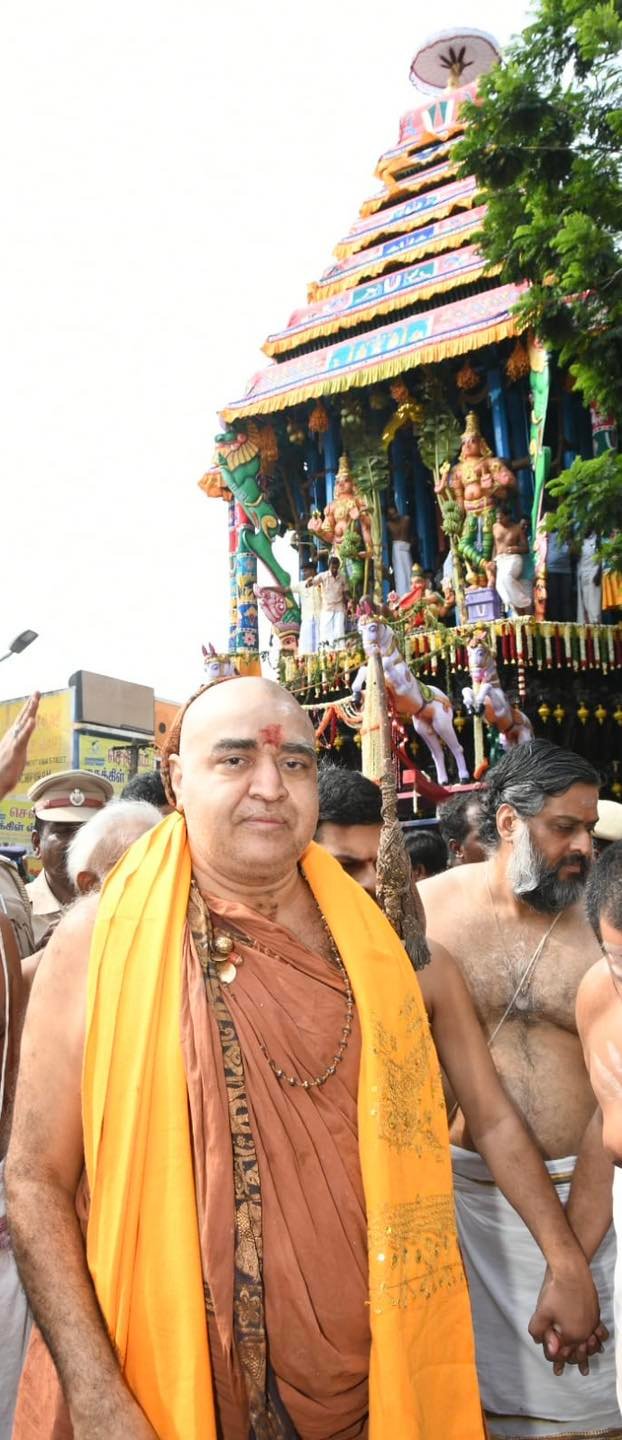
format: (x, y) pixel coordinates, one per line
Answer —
(143, 1244)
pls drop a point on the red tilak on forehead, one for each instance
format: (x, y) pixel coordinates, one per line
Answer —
(271, 735)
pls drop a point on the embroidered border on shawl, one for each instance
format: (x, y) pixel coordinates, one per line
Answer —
(413, 1249)
(410, 1086)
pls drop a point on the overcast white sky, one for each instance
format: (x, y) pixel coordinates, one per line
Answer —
(173, 176)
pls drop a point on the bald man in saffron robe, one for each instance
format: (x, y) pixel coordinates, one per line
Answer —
(229, 1053)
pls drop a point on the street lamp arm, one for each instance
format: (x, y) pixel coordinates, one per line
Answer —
(21, 642)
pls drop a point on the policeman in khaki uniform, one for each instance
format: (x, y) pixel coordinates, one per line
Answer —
(61, 803)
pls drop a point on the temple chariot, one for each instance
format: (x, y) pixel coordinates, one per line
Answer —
(401, 437)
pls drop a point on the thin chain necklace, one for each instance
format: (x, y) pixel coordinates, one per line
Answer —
(520, 998)
(225, 961)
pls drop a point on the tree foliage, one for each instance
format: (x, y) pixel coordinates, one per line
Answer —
(589, 497)
(545, 147)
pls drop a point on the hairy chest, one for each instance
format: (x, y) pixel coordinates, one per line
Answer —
(535, 973)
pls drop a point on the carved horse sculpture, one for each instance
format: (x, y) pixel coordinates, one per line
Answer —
(216, 666)
(485, 696)
(428, 707)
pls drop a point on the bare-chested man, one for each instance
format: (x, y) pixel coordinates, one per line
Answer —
(511, 547)
(517, 927)
(401, 556)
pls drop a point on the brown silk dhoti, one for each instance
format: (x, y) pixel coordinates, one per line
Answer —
(313, 1216)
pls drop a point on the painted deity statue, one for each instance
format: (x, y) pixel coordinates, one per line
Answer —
(428, 707)
(485, 695)
(421, 605)
(239, 460)
(346, 522)
(468, 493)
(274, 603)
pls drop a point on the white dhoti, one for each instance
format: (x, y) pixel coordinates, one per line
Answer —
(505, 1269)
(515, 593)
(310, 603)
(588, 589)
(332, 626)
(309, 636)
(14, 1324)
(401, 559)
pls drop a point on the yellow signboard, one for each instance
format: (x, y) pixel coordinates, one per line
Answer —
(55, 745)
(113, 758)
(49, 750)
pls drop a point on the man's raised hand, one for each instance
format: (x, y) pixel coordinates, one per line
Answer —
(14, 745)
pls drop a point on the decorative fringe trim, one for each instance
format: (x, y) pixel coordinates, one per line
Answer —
(405, 188)
(372, 374)
(403, 154)
(345, 248)
(442, 148)
(526, 642)
(385, 306)
(322, 290)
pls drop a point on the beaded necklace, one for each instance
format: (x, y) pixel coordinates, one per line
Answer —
(218, 949)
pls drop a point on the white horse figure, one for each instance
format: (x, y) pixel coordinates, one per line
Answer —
(428, 707)
(216, 666)
(484, 696)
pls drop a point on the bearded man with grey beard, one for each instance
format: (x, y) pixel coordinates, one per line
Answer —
(517, 928)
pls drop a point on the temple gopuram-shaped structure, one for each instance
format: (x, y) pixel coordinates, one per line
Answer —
(402, 434)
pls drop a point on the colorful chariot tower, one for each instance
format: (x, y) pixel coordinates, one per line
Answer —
(400, 408)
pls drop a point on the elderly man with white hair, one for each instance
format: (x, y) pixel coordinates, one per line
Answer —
(98, 845)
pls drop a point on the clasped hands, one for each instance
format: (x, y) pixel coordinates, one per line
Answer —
(566, 1321)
